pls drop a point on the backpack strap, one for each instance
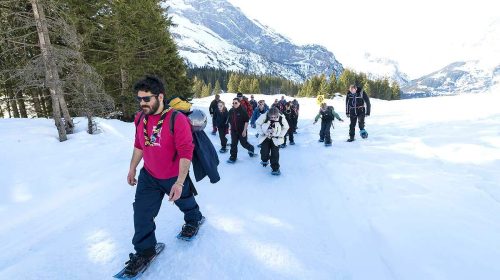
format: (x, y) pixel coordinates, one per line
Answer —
(138, 121)
(172, 121)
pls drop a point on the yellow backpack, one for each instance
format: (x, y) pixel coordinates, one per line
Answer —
(180, 104)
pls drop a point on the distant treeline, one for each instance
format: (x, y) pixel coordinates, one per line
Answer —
(207, 81)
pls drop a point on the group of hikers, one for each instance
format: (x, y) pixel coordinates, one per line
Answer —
(278, 123)
(168, 153)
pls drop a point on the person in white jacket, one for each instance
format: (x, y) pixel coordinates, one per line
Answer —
(272, 128)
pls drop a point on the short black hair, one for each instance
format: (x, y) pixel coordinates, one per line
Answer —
(150, 83)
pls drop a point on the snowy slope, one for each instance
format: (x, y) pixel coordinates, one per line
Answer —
(419, 199)
(216, 34)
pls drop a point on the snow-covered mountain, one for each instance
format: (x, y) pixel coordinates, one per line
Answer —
(478, 71)
(458, 77)
(214, 33)
(380, 67)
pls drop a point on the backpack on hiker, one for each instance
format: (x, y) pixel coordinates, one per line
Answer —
(205, 159)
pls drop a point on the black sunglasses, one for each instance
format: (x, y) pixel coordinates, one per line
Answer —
(145, 98)
(234, 103)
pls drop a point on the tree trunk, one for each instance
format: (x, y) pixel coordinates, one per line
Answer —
(90, 124)
(51, 74)
(44, 102)
(13, 104)
(8, 108)
(123, 79)
(36, 103)
(22, 105)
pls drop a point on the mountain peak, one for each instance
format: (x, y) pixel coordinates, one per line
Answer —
(215, 33)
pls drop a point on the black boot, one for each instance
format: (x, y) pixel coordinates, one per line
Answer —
(190, 230)
(136, 263)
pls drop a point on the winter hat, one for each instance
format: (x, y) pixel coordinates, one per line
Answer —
(239, 94)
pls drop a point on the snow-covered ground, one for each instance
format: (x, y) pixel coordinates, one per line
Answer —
(419, 199)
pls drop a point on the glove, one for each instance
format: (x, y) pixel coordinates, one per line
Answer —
(348, 115)
(315, 122)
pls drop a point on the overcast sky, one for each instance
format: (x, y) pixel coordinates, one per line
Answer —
(423, 36)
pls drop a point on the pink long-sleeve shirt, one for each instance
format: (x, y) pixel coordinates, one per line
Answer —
(162, 159)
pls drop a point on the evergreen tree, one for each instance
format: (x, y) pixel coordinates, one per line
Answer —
(395, 91)
(255, 86)
(245, 86)
(324, 87)
(206, 90)
(217, 88)
(198, 87)
(234, 82)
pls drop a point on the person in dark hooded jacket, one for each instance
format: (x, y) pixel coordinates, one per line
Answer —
(291, 117)
(358, 106)
(238, 120)
(221, 122)
(212, 109)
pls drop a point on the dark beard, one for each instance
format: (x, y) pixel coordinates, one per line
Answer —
(152, 109)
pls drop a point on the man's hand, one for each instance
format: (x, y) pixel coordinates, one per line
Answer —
(175, 191)
(244, 133)
(131, 177)
(348, 115)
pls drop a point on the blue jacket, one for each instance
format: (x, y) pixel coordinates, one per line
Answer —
(205, 159)
(257, 113)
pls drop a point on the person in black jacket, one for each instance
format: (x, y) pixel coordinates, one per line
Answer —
(212, 109)
(221, 117)
(291, 117)
(253, 102)
(238, 120)
(358, 106)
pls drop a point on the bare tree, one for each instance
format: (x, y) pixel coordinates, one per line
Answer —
(51, 74)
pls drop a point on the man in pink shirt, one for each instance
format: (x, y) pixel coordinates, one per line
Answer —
(167, 158)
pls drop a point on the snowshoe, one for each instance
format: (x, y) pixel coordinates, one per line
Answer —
(137, 264)
(292, 143)
(328, 144)
(223, 150)
(295, 132)
(251, 153)
(189, 231)
(264, 163)
(321, 140)
(363, 133)
(282, 146)
(231, 160)
(350, 140)
(276, 172)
